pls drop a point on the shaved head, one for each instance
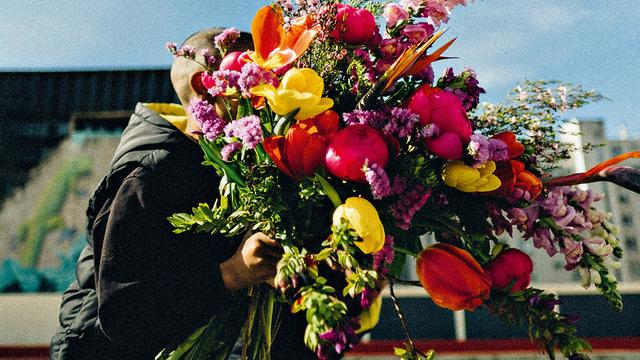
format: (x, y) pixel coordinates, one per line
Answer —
(182, 69)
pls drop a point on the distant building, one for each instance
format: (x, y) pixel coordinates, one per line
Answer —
(36, 107)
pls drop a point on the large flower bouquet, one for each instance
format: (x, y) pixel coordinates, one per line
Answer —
(344, 147)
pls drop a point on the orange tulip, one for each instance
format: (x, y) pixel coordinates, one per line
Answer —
(275, 47)
(452, 277)
(302, 151)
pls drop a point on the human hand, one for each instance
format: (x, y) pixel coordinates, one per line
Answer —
(254, 262)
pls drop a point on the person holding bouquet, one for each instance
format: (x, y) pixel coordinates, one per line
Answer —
(140, 287)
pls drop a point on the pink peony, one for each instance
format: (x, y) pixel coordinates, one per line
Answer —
(510, 266)
(435, 106)
(351, 147)
(353, 25)
(394, 13)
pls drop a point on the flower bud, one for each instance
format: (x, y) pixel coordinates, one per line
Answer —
(510, 269)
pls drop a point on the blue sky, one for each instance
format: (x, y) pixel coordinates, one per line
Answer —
(587, 42)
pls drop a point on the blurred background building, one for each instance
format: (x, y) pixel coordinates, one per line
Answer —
(57, 136)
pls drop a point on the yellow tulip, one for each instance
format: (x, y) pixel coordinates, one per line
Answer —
(465, 178)
(299, 89)
(364, 219)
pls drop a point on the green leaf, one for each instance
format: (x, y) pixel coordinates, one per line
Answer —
(212, 154)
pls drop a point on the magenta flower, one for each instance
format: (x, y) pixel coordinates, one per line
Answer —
(339, 339)
(383, 258)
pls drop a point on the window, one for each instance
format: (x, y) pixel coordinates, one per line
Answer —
(616, 150)
(627, 220)
(624, 198)
(630, 243)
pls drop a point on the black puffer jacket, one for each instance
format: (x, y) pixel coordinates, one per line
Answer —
(140, 287)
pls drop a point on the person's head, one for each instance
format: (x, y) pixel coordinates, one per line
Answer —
(186, 74)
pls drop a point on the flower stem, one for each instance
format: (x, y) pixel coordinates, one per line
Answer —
(405, 327)
(405, 251)
(396, 280)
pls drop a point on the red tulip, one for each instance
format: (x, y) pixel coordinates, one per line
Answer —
(351, 147)
(353, 25)
(445, 110)
(302, 151)
(514, 147)
(515, 180)
(452, 277)
(511, 266)
(233, 61)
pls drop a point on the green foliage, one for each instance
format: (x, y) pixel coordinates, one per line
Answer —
(533, 111)
(408, 352)
(546, 327)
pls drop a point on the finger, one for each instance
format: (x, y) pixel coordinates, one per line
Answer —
(263, 238)
(270, 251)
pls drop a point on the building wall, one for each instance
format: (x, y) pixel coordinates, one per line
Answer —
(35, 109)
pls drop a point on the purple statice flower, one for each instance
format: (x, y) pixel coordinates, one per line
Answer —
(399, 185)
(408, 205)
(339, 339)
(223, 80)
(208, 57)
(252, 75)
(226, 38)
(401, 122)
(374, 118)
(383, 258)
(228, 150)
(205, 114)
(499, 150)
(171, 47)
(479, 149)
(247, 129)
(572, 251)
(430, 131)
(187, 51)
(377, 179)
